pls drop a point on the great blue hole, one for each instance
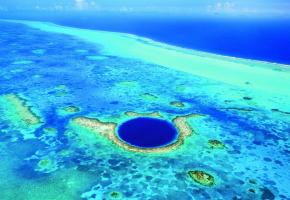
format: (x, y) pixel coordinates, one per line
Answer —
(145, 132)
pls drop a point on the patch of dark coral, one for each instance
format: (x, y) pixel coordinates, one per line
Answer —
(280, 111)
(247, 98)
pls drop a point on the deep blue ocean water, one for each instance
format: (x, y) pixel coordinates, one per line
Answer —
(259, 39)
(147, 132)
(265, 39)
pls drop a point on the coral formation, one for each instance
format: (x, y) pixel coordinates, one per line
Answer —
(115, 195)
(129, 84)
(108, 130)
(86, 162)
(46, 165)
(149, 96)
(177, 104)
(49, 136)
(69, 110)
(216, 144)
(239, 109)
(50, 131)
(17, 109)
(277, 110)
(61, 90)
(202, 177)
(183, 126)
(247, 98)
(136, 114)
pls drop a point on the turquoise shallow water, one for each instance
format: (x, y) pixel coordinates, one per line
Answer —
(54, 159)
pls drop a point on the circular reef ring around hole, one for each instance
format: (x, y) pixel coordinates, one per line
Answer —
(109, 130)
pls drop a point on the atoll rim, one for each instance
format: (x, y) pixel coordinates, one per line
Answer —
(109, 129)
(151, 132)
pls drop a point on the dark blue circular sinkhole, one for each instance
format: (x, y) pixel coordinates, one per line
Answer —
(145, 132)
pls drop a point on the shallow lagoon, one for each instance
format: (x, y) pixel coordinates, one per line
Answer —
(57, 74)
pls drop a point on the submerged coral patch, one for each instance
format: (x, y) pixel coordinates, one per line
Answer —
(19, 115)
(60, 90)
(183, 126)
(177, 104)
(46, 165)
(202, 177)
(17, 109)
(149, 96)
(115, 195)
(136, 114)
(104, 128)
(69, 110)
(216, 144)
(145, 132)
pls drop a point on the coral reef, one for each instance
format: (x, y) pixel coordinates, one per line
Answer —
(247, 98)
(136, 114)
(108, 130)
(177, 104)
(50, 131)
(69, 110)
(17, 109)
(183, 126)
(60, 159)
(72, 109)
(216, 144)
(127, 84)
(61, 90)
(49, 136)
(202, 177)
(115, 195)
(149, 96)
(277, 110)
(46, 165)
(239, 109)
